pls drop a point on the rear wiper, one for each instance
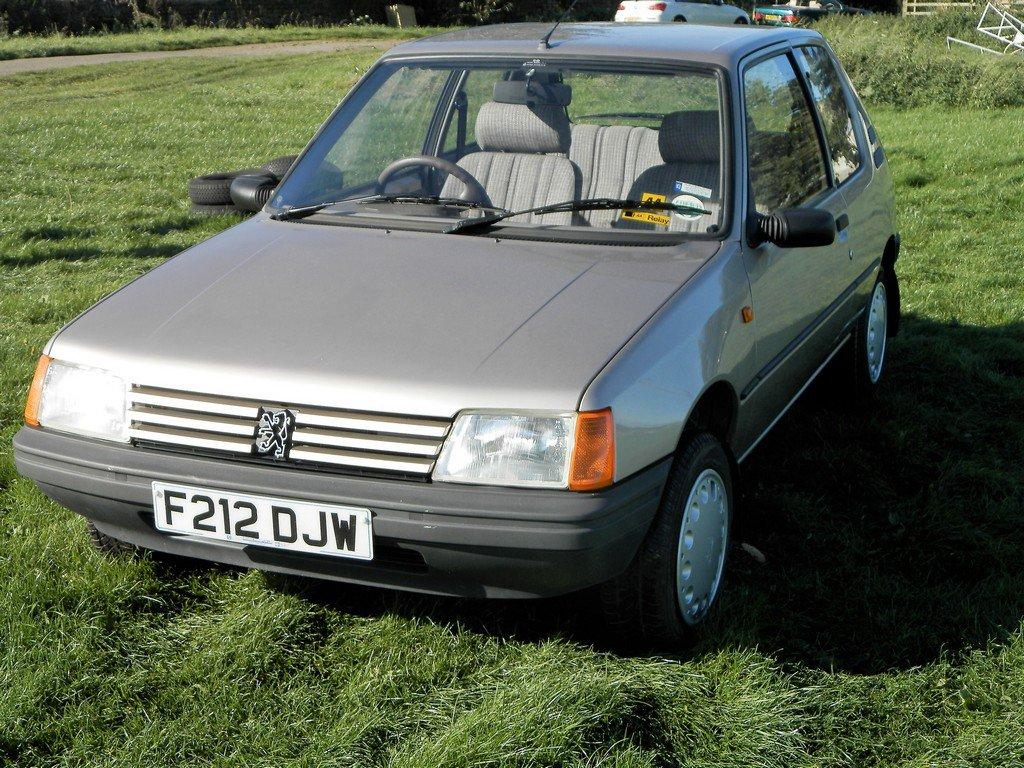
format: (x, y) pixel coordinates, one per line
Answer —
(590, 204)
(291, 214)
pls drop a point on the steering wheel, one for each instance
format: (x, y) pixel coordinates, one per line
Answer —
(473, 192)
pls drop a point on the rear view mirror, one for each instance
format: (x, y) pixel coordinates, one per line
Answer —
(795, 228)
(533, 92)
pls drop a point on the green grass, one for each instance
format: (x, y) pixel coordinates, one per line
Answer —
(884, 630)
(25, 46)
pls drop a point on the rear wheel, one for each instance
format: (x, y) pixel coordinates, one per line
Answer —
(742, 20)
(675, 579)
(865, 361)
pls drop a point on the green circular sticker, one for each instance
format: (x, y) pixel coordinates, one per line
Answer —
(690, 201)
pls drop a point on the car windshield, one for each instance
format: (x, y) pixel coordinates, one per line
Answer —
(441, 143)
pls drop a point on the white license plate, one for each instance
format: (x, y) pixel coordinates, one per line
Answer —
(302, 526)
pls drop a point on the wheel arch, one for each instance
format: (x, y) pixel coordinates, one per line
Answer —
(892, 285)
(714, 411)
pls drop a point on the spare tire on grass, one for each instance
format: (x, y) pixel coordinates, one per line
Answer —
(279, 165)
(251, 193)
(215, 188)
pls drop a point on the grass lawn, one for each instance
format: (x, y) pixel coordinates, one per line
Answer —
(884, 629)
(25, 46)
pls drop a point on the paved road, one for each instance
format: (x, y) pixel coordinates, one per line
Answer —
(44, 63)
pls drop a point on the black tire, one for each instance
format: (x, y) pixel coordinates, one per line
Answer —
(108, 545)
(642, 604)
(251, 193)
(213, 210)
(279, 165)
(742, 20)
(215, 188)
(679, 19)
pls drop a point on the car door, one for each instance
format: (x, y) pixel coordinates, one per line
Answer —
(852, 170)
(793, 290)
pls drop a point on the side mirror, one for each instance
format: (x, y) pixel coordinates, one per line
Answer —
(794, 228)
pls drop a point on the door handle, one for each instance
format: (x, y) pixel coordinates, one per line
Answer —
(842, 222)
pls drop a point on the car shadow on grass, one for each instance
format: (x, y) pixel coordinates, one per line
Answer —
(892, 535)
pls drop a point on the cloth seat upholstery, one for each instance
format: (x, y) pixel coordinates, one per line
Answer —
(523, 162)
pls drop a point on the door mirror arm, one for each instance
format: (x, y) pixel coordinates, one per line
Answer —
(792, 228)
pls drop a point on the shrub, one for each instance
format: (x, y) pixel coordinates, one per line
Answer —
(71, 16)
(904, 62)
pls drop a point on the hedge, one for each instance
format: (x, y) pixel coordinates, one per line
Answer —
(84, 16)
(904, 62)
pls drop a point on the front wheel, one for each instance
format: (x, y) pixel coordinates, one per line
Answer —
(675, 580)
(679, 19)
(742, 20)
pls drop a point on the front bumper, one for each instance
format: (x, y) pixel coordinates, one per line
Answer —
(470, 541)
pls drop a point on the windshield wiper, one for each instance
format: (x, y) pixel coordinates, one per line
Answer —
(291, 214)
(590, 204)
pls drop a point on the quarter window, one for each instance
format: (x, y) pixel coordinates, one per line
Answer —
(785, 162)
(827, 90)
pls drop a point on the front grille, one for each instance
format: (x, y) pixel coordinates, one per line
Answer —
(331, 438)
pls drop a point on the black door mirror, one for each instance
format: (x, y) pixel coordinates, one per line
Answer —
(794, 228)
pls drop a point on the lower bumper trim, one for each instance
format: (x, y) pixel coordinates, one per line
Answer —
(468, 541)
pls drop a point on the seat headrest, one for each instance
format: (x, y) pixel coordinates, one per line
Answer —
(534, 130)
(689, 136)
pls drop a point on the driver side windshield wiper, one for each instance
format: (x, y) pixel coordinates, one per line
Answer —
(291, 214)
(591, 204)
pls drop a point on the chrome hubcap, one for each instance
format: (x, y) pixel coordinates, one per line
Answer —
(702, 540)
(878, 320)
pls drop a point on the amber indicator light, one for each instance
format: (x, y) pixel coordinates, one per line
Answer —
(593, 455)
(35, 392)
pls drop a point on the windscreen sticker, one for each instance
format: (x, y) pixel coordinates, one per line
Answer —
(693, 189)
(689, 201)
(649, 217)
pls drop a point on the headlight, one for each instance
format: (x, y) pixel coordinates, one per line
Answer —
(72, 398)
(574, 450)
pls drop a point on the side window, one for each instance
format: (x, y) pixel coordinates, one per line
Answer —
(785, 163)
(392, 125)
(477, 90)
(827, 89)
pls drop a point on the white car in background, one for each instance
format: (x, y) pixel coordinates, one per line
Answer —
(697, 12)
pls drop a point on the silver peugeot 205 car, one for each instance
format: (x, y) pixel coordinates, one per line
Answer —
(509, 327)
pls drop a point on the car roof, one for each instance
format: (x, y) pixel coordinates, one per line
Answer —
(722, 45)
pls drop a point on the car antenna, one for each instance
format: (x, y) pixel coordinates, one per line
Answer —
(545, 42)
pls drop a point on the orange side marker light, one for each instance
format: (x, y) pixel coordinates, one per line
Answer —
(593, 455)
(35, 392)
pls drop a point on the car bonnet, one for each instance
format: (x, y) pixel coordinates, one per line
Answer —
(378, 320)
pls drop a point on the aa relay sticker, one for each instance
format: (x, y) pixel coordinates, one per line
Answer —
(649, 217)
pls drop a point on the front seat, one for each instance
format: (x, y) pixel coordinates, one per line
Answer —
(689, 144)
(523, 161)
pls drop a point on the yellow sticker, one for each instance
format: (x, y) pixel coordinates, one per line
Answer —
(649, 217)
